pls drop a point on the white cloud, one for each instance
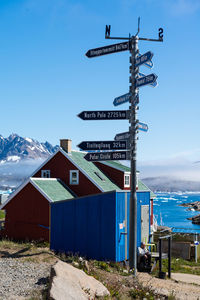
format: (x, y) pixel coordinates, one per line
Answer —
(179, 166)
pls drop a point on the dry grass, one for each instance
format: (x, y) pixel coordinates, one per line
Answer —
(27, 251)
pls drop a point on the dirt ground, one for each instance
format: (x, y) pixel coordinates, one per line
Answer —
(120, 283)
(181, 286)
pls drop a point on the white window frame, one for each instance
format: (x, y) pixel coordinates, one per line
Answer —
(71, 180)
(129, 176)
(45, 173)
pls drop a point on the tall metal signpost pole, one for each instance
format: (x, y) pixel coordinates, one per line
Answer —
(128, 139)
(133, 129)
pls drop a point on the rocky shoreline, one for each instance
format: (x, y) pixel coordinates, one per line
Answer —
(195, 206)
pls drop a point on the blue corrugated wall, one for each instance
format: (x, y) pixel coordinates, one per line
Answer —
(85, 226)
(95, 226)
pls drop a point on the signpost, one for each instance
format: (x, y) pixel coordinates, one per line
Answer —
(148, 64)
(103, 145)
(142, 126)
(101, 156)
(104, 115)
(149, 79)
(107, 49)
(122, 136)
(141, 75)
(126, 135)
(137, 80)
(142, 59)
(123, 99)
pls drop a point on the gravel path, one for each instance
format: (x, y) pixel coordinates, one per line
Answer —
(19, 279)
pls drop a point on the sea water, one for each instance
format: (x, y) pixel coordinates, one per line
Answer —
(168, 212)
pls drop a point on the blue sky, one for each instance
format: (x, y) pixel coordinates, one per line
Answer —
(46, 80)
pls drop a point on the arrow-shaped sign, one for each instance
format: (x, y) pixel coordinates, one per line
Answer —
(102, 156)
(103, 145)
(142, 126)
(141, 75)
(144, 80)
(145, 59)
(123, 99)
(126, 135)
(108, 49)
(105, 115)
(122, 136)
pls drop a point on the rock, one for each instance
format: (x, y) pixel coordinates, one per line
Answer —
(195, 219)
(71, 283)
(75, 264)
(192, 205)
(87, 266)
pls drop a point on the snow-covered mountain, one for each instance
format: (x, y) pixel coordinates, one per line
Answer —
(16, 149)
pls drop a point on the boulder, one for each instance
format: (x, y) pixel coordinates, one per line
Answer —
(195, 219)
(192, 205)
(71, 283)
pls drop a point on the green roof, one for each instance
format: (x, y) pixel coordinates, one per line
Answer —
(117, 165)
(143, 187)
(99, 177)
(53, 188)
(93, 172)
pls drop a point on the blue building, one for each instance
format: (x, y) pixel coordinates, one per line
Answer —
(97, 226)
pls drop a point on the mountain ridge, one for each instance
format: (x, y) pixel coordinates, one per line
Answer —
(15, 148)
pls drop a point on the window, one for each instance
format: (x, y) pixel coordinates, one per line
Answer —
(99, 175)
(45, 173)
(126, 180)
(74, 177)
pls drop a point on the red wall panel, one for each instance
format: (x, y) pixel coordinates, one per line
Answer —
(25, 213)
(115, 175)
(60, 166)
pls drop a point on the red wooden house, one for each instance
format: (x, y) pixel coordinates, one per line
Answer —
(27, 209)
(64, 175)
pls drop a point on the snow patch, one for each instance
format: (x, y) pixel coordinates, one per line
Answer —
(13, 158)
(29, 140)
(32, 148)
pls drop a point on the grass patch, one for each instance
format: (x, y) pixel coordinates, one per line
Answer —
(179, 265)
(141, 294)
(2, 214)
(8, 244)
(102, 265)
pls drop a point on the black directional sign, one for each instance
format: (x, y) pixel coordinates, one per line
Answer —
(105, 115)
(125, 136)
(149, 79)
(108, 49)
(122, 136)
(103, 145)
(140, 60)
(102, 156)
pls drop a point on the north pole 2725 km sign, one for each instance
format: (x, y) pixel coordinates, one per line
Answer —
(105, 115)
